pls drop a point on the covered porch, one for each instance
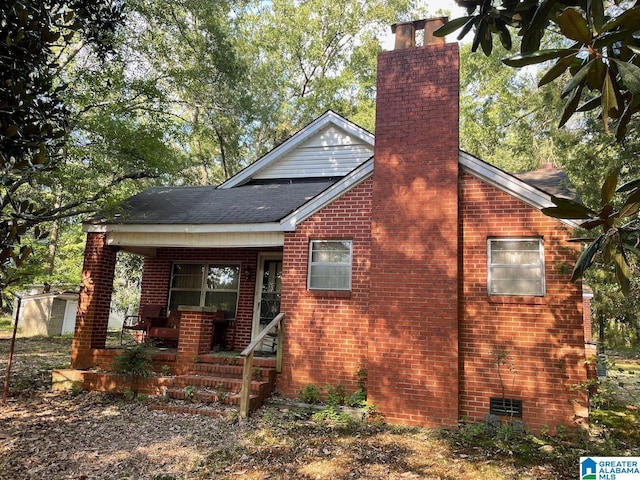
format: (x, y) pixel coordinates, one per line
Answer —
(222, 295)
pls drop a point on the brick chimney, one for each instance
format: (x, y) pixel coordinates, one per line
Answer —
(413, 351)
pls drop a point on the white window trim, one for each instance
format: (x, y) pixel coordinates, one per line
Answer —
(541, 264)
(319, 240)
(203, 281)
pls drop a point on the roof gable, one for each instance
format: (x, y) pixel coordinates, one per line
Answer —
(330, 146)
(507, 182)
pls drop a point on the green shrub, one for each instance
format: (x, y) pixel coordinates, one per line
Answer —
(357, 399)
(336, 395)
(134, 361)
(310, 394)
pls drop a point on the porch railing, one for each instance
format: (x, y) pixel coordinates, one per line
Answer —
(247, 353)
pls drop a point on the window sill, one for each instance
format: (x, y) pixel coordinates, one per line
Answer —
(517, 300)
(330, 293)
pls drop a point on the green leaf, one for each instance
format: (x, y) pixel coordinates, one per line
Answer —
(451, 26)
(570, 106)
(630, 74)
(631, 205)
(568, 209)
(597, 13)
(625, 187)
(524, 59)
(623, 272)
(610, 107)
(504, 34)
(590, 105)
(472, 21)
(608, 188)
(629, 19)
(586, 258)
(540, 16)
(558, 69)
(574, 26)
(578, 79)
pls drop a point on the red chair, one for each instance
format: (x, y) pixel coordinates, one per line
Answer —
(140, 322)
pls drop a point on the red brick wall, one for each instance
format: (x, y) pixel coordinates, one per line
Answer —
(157, 275)
(543, 336)
(325, 332)
(414, 281)
(95, 299)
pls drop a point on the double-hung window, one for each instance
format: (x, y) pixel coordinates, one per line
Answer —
(515, 266)
(205, 285)
(330, 265)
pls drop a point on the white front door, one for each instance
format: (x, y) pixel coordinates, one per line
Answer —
(267, 302)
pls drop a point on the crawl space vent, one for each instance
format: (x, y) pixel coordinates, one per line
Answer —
(505, 407)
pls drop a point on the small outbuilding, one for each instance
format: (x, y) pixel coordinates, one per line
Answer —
(50, 313)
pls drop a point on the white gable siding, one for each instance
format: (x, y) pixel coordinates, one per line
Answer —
(330, 153)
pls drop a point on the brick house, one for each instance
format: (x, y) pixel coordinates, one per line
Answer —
(433, 272)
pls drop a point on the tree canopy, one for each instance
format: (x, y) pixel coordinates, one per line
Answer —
(598, 65)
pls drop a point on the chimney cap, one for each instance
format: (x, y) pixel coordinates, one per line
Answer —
(406, 31)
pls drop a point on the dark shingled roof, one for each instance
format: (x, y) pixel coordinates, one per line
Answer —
(551, 180)
(210, 205)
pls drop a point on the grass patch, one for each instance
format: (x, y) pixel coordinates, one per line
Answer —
(6, 323)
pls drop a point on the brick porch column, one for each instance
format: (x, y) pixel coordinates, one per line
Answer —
(96, 288)
(196, 334)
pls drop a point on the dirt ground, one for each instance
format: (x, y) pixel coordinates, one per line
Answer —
(46, 435)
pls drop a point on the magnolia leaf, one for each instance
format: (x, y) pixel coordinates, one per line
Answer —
(590, 105)
(568, 209)
(578, 79)
(629, 185)
(524, 59)
(451, 26)
(623, 272)
(591, 224)
(540, 16)
(629, 209)
(504, 34)
(629, 18)
(571, 105)
(631, 206)
(633, 48)
(630, 109)
(608, 188)
(609, 99)
(574, 26)
(558, 69)
(596, 74)
(586, 258)
(630, 75)
(597, 13)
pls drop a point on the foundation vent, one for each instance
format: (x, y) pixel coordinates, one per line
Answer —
(505, 407)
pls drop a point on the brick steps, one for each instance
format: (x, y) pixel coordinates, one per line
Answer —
(215, 383)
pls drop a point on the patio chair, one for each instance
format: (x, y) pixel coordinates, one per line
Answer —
(165, 331)
(139, 322)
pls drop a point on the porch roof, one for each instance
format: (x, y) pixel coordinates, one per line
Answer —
(208, 205)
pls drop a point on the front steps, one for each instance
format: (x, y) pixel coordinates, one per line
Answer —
(214, 385)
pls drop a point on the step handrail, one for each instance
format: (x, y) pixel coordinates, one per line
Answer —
(247, 353)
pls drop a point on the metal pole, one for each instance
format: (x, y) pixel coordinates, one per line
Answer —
(5, 391)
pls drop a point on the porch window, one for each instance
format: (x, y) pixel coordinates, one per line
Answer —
(330, 265)
(205, 285)
(516, 266)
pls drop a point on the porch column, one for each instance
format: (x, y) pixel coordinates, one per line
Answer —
(96, 288)
(196, 334)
